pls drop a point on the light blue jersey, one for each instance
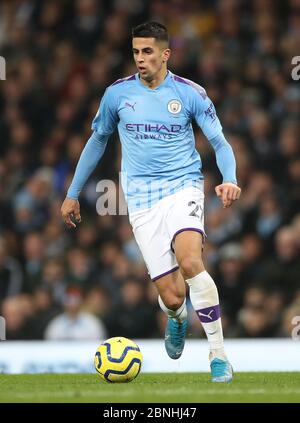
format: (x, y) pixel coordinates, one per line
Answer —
(158, 144)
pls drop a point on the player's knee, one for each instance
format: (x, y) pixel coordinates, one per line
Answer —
(190, 266)
(174, 302)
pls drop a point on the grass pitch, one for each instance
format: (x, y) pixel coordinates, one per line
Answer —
(147, 388)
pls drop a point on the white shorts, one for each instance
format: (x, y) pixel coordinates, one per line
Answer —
(156, 228)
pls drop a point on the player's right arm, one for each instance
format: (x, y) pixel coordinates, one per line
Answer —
(103, 126)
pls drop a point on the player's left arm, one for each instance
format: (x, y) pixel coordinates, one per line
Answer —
(228, 191)
(205, 115)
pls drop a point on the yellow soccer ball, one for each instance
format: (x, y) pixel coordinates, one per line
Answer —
(118, 360)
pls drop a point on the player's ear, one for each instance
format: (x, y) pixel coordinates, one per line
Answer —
(166, 54)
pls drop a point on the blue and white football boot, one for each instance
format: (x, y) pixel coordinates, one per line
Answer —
(175, 337)
(221, 370)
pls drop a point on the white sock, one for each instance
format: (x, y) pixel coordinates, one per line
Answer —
(180, 314)
(205, 300)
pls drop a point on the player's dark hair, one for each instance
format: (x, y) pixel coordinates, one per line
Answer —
(151, 30)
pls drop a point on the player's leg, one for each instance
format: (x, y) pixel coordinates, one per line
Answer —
(152, 236)
(172, 291)
(204, 298)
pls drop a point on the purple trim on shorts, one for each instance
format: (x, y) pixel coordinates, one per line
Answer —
(187, 229)
(209, 314)
(118, 81)
(166, 273)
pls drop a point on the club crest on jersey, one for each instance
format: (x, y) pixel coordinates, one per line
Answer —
(174, 106)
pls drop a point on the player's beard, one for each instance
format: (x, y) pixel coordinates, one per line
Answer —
(149, 76)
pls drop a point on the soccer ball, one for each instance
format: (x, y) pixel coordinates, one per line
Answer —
(118, 359)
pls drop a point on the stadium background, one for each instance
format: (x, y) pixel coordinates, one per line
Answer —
(60, 56)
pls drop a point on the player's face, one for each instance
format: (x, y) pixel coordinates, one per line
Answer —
(150, 57)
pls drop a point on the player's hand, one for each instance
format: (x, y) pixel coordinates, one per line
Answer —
(228, 193)
(70, 209)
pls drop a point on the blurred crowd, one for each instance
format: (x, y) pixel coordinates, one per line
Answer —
(91, 283)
